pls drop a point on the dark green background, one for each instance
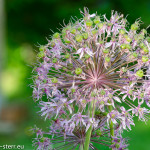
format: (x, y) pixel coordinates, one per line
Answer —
(28, 24)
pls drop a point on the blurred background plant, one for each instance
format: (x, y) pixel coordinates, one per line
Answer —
(24, 25)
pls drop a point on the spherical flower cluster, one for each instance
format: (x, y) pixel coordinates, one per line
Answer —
(95, 76)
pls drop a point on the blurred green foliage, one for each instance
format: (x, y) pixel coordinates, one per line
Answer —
(28, 24)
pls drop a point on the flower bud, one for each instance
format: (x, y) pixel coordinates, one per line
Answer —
(64, 32)
(52, 44)
(54, 60)
(89, 23)
(93, 94)
(142, 45)
(42, 139)
(85, 35)
(86, 56)
(109, 24)
(140, 36)
(44, 81)
(73, 90)
(79, 28)
(78, 71)
(117, 145)
(145, 49)
(102, 103)
(102, 92)
(134, 26)
(94, 32)
(123, 69)
(106, 51)
(56, 35)
(65, 104)
(42, 48)
(142, 94)
(67, 41)
(67, 55)
(54, 80)
(127, 38)
(73, 31)
(144, 31)
(101, 42)
(113, 116)
(135, 54)
(41, 54)
(100, 25)
(107, 59)
(79, 38)
(84, 101)
(122, 31)
(123, 46)
(96, 20)
(140, 73)
(110, 96)
(130, 92)
(128, 46)
(148, 39)
(144, 58)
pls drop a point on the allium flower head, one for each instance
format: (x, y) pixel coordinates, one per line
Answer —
(92, 72)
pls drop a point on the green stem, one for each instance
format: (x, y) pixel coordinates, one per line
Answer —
(89, 131)
(111, 128)
(87, 138)
(111, 125)
(81, 147)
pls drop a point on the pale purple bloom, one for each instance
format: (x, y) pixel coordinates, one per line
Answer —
(79, 119)
(42, 144)
(128, 92)
(126, 118)
(141, 112)
(54, 107)
(83, 50)
(119, 143)
(93, 75)
(92, 122)
(112, 44)
(113, 116)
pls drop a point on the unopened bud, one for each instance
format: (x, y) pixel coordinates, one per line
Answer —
(94, 32)
(96, 20)
(73, 31)
(145, 49)
(54, 80)
(140, 73)
(79, 38)
(134, 26)
(107, 59)
(41, 54)
(100, 25)
(42, 48)
(67, 55)
(85, 35)
(78, 71)
(122, 31)
(89, 23)
(54, 60)
(144, 58)
(56, 35)
(135, 54)
(106, 51)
